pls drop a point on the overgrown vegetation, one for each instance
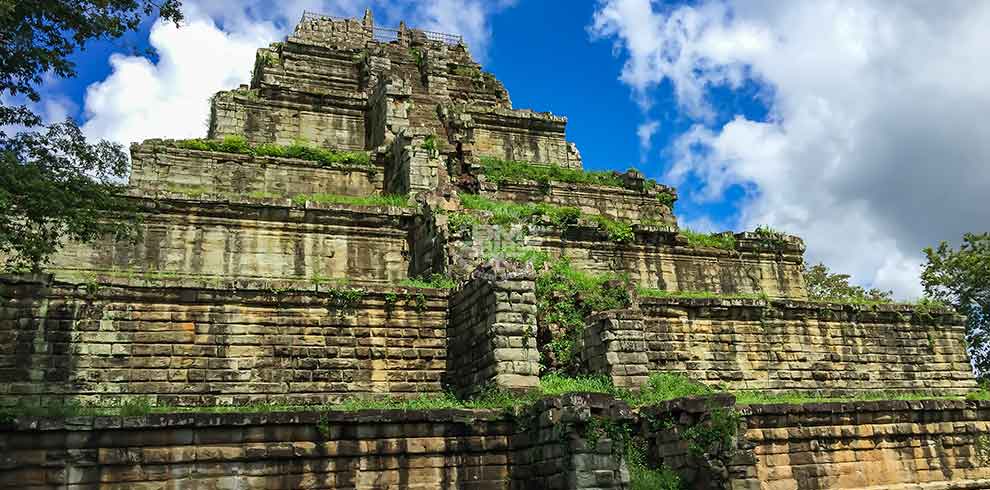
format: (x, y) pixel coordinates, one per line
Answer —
(392, 200)
(56, 185)
(502, 171)
(301, 150)
(660, 293)
(666, 198)
(825, 285)
(565, 298)
(769, 237)
(505, 213)
(725, 240)
(960, 277)
(435, 281)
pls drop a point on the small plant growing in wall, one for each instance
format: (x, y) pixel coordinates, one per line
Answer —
(343, 298)
(430, 145)
(716, 435)
(421, 305)
(391, 299)
(982, 444)
(667, 199)
(769, 237)
(418, 58)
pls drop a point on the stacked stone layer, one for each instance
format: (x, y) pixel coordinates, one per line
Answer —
(198, 345)
(799, 346)
(235, 293)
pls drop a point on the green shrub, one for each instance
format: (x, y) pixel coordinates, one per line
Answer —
(393, 200)
(617, 231)
(769, 237)
(436, 281)
(467, 71)
(506, 213)
(299, 150)
(554, 384)
(501, 171)
(666, 198)
(138, 406)
(565, 298)
(667, 386)
(660, 293)
(458, 222)
(725, 240)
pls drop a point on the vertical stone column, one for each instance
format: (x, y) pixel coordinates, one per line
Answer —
(567, 443)
(614, 344)
(491, 335)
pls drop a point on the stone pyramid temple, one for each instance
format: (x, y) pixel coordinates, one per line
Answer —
(371, 219)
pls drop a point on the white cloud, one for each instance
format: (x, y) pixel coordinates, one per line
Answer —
(168, 99)
(215, 49)
(875, 145)
(645, 134)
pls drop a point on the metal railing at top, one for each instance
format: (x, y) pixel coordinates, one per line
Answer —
(387, 34)
(384, 34)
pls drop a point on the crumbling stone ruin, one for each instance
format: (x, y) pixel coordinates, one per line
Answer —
(371, 218)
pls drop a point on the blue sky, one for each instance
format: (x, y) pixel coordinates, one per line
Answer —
(857, 125)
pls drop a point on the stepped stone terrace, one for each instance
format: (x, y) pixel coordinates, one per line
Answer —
(372, 272)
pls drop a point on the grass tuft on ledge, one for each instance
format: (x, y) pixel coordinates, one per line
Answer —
(659, 388)
(502, 171)
(391, 200)
(660, 293)
(724, 241)
(505, 213)
(300, 150)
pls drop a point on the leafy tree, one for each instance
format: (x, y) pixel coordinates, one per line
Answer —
(56, 185)
(824, 285)
(961, 278)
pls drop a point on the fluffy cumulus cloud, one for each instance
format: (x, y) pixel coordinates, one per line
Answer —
(215, 48)
(875, 144)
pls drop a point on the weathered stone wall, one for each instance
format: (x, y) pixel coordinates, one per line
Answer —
(614, 344)
(554, 445)
(427, 244)
(492, 332)
(158, 166)
(411, 167)
(304, 68)
(789, 346)
(366, 450)
(697, 438)
(189, 344)
(631, 206)
(510, 134)
(254, 240)
(653, 259)
(388, 110)
(334, 120)
(561, 444)
(339, 33)
(886, 444)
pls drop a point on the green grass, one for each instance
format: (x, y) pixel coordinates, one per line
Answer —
(758, 398)
(391, 200)
(642, 477)
(666, 386)
(660, 387)
(725, 241)
(300, 150)
(659, 293)
(436, 281)
(505, 213)
(501, 171)
(554, 384)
